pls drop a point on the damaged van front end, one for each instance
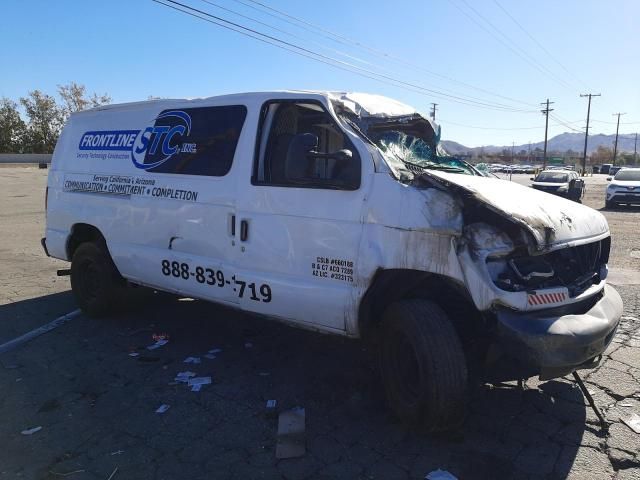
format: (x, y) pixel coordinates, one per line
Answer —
(534, 266)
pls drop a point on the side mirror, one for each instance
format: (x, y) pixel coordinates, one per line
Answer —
(297, 162)
(533, 179)
(609, 179)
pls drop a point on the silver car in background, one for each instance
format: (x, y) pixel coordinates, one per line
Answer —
(624, 188)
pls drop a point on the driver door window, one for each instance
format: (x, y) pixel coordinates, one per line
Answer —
(301, 145)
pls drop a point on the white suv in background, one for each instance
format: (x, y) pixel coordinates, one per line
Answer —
(624, 188)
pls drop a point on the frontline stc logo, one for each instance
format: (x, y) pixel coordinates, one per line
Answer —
(150, 147)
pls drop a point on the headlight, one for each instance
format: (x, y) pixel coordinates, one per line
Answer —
(563, 188)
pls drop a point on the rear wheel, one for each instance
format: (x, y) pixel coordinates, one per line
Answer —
(95, 281)
(609, 205)
(423, 366)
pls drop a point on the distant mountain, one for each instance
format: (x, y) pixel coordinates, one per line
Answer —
(559, 143)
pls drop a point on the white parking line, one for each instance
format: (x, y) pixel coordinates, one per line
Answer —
(11, 344)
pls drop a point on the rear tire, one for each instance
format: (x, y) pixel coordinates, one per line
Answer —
(423, 366)
(95, 280)
(609, 205)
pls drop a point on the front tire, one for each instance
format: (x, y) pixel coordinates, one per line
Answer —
(423, 366)
(95, 280)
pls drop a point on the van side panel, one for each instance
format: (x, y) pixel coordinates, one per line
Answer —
(115, 170)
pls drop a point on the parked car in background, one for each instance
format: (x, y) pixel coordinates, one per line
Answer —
(624, 188)
(605, 168)
(614, 170)
(565, 183)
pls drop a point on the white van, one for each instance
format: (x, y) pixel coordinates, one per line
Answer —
(337, 212)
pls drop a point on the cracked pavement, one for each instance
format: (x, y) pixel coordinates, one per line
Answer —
(96, 404)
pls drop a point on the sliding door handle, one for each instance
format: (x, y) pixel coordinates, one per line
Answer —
(244, 230)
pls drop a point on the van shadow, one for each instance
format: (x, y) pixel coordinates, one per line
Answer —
(508, 432)
(17, 318)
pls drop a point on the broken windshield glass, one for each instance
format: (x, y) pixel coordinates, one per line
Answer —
(408, 143)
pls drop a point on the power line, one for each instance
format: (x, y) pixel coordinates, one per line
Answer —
(344, 40)
(524, 56)
(339, 52)
(336, 63)
(538, 43)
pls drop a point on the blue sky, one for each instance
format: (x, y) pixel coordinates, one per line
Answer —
(133, 49)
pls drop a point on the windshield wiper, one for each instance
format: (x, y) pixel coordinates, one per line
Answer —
(435, 166)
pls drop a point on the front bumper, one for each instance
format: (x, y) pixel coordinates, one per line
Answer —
(623, 197)
(555, 345)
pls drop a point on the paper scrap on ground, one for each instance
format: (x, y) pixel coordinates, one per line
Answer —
(210, 356)
(194, 360)
(633, 422)
(215, 350)
(134, 354)
(291, 434)
(440, 475)
(271, 403)
(626, 404)
(31, 431)
(184, 376)
(196, 388)
(199, 381)
(158, 344)
(162, 408)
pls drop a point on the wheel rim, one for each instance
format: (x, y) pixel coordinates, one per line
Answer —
(405, 368)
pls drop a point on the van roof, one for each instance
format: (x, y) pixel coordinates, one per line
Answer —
(362, 104)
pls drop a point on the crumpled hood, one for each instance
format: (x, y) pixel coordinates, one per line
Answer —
(552, 220)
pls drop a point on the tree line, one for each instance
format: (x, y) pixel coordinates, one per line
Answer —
(37, 128)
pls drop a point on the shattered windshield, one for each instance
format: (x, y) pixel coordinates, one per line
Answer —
(416, 153)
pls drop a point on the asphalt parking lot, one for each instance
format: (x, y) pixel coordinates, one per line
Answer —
(96, 404)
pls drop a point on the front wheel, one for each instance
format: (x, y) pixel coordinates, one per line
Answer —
(95, 280)
(423, 365)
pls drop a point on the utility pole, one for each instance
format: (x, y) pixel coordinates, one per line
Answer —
(433, 111)
(546, 129)
(586, 133)
(615, 144)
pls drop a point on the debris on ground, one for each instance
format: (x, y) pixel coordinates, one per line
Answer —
(271, 409)
(158, 344)
(440, 475)
(66, 474)
(626, 404)
(199, 381)
(117, 452)
(248, 345)
(115, 470)
(194, 360)
(184, 376)
(210, 356)
(160, 336)
(633, 422)
(134, 354)
(31, 431)
(163, 408)
(291, 434)
(215, 350)
(264, 374)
